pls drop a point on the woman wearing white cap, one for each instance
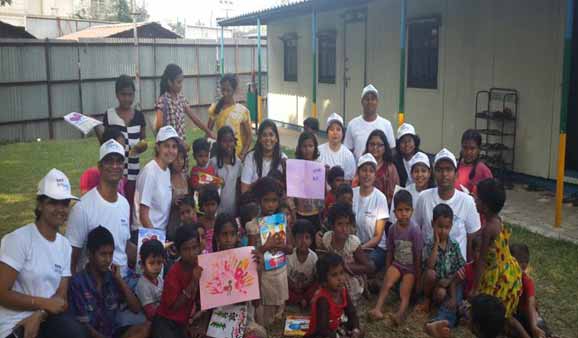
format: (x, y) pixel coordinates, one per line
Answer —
(360, 127)
(35, 269)
(407, 145)
(154, 194)
(334, 153)
(371, 212)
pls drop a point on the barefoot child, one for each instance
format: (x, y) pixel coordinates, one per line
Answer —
(274, 284)
(332, 301)
(342, 242)
(497, 272)
(442, 261)
(301, 265)
(403, 258)
(149, 288)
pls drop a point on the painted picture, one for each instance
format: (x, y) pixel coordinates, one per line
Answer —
(228, 277)
(296, 325)
(228, 322)
(271, 226)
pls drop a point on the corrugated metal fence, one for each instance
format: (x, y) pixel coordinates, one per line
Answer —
(43, 80)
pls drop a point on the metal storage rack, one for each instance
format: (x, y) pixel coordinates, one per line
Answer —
(496, 119)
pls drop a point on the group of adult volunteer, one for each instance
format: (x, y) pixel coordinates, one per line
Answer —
(37, 263)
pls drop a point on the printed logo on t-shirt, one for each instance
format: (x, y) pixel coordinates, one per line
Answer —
(123, 222)
(57, 269)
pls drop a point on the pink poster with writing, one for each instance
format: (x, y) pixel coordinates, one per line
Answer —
(228, 277)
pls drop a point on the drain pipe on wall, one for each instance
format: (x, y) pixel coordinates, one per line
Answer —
(567, 64)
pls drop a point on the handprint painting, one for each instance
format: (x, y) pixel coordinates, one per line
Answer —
(228, 277)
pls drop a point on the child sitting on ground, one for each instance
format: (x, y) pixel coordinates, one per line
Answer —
(332, 301)
(442, 261)
(150, 284)
(96, 293)
(335, 178)
(488, 316)
(301, 265)
(201, 150)
(209, 201)
(342, 242)
(527, 313)
(403, 263)
(181, 287)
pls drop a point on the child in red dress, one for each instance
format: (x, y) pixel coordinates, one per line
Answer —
(331, 301)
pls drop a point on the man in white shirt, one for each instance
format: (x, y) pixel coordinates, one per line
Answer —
(360, 127)
(466, 217)
(104, 206)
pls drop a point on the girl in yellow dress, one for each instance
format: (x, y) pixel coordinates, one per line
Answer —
(227, 112)
(497, 272)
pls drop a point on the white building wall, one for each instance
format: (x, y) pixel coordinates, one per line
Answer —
(513, 44)
(15, 13)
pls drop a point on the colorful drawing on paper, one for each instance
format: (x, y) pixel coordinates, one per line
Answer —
(144, 235)
(228, 322)
(228, 277)
(305, 179)
(296, 325)
(274, 225)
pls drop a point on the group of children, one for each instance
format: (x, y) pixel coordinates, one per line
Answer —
(328, 268)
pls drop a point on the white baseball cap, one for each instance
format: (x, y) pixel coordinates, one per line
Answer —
(111, 147)
(165, 133)
(369, 89)
(445, 154)
(366, 158)
(56, 186)
(419, 157)
(405, 129)
(334, 117)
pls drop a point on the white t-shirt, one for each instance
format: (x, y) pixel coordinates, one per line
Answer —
(41, 265)
(91, 211)
(153, 189)
(466, 217)
(230, 175)
(407, 166)
(147, 292)
(249, 174)
(343, 158)
(368, 210)
(302, 272)
(358, 131)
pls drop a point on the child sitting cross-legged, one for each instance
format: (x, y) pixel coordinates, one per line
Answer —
(332, 301)
(442, 262)
(301, 265)
(404, 243)
(341, 242)
(150, 284)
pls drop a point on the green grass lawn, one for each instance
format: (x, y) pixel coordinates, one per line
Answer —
(554, 263)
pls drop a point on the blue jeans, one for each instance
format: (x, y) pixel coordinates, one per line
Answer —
(444, 313)
(378, 256)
